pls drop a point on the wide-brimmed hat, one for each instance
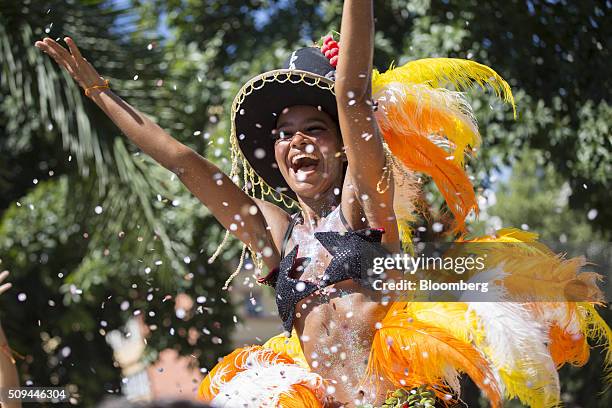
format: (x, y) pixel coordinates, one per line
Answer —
(307, 78)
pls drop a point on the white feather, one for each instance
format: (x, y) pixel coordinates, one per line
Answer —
(262, 382)
(515, 342)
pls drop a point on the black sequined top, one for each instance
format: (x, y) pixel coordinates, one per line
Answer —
(352, 253)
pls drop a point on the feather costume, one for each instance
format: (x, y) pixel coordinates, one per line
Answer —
(510, 346)
(429, 128)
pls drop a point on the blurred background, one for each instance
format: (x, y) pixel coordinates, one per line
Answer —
(113, 294)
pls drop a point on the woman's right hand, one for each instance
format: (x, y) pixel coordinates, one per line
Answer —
(73, 62)
(6, 286)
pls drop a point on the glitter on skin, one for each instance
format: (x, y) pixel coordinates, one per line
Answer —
(342, 345)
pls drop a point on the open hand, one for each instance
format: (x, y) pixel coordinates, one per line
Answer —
(73, 62)
(6, 286)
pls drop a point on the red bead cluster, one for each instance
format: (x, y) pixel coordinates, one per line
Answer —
(330, 49)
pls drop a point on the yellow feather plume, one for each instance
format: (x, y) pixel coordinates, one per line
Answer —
(288, 345)
(598, 329)
(438, 72)
(451, 316)
(535, 272)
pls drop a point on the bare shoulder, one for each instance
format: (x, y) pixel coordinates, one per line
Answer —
(277, 221)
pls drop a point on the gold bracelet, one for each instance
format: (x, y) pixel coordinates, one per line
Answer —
(105, 86)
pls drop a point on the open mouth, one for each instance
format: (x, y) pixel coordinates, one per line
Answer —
(304, 164)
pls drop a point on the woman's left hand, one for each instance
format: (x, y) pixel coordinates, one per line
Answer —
(6, 286)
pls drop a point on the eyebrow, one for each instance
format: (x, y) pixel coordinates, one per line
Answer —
(308, 121)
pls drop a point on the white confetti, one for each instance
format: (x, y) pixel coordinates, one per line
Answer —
(260, 153)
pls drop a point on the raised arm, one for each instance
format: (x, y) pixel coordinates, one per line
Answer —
(245, 217)
(362, 142)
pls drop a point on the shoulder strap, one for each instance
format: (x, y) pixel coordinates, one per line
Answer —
(294, 219)
(344, 221)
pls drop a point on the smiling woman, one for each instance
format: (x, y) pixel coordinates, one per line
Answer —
(339, 141)
(308, 151)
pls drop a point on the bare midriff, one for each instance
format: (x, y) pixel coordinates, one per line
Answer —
(336, 325)
(336, 329)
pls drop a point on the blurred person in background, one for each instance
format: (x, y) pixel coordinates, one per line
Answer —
(8, 371)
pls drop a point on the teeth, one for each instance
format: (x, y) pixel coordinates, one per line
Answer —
(301, 156)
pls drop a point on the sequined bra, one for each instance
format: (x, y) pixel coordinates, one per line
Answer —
(351, 250)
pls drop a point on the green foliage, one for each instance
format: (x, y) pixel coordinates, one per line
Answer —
(536, 196)
(92, 231)
(555, 52)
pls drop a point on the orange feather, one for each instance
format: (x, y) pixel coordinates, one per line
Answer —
(411, 353)
(566, 347)
(420, 154)
(301, 396)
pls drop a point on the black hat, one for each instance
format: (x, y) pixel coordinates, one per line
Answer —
(307, 78)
